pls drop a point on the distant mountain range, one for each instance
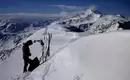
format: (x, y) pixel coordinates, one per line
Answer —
(14, 30)
(95, 22)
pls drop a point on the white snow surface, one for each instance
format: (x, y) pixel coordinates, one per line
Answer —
(13, 67)
(98, 57)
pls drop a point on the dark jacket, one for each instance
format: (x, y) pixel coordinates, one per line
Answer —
(26, 50)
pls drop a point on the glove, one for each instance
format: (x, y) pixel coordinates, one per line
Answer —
(42, 43)
(29, 54)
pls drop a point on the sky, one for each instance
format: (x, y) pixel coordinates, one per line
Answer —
(57, 8)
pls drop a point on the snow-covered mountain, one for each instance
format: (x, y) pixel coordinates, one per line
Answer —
(94, 22)
(13, 31)
(74, 54)
(17, 25)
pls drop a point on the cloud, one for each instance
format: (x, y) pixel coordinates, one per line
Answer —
(30, 15)
(92, 7)
(62, 14)
(68, 7)
(26, 15)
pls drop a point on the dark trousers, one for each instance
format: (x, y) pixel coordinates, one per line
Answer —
(26, 63)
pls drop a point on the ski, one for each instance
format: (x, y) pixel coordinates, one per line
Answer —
(45, 47)
(48, 48)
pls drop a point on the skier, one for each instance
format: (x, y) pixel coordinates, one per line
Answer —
(26, 54)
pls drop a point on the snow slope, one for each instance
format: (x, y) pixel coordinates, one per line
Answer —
(13, 66)
(98, 57)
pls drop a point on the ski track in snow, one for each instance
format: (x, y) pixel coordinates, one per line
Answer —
(60, 49)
